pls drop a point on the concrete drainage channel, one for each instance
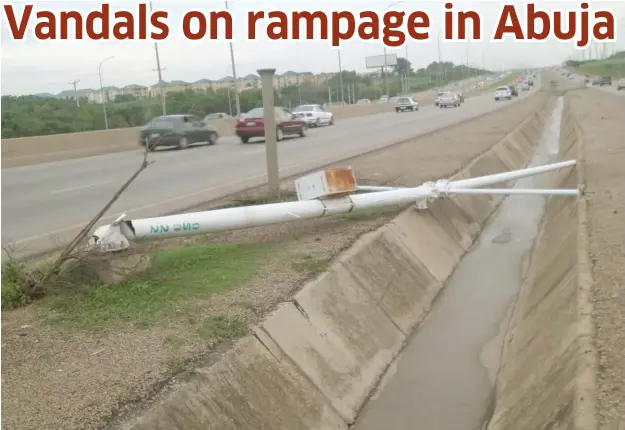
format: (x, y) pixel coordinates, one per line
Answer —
(315, 361)
(451, 363)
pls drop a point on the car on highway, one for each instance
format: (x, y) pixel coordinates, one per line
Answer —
(503, 93)
(620, 85)
(525, 86)
(604, 80)
(314, 115)
(252, 124)
(513, 90)
(214, 116)
(177, 131)
(438, 97)
(448, 99)
(406, 104)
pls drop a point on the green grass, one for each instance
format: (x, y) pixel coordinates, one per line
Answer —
(508, 80)
(177, 279)
(372, 213)
(222, 328)
(614, 67)
(265, 199)
(311, 265)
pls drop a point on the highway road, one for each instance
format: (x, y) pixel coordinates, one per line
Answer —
(612, 90)
(45, 204)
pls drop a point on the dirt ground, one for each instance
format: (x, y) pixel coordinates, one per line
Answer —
(56, 378)
(603, 123)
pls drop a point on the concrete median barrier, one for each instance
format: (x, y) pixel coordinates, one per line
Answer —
(547, 374)
(333, 342)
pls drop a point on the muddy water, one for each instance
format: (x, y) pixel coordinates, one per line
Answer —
(443, 379)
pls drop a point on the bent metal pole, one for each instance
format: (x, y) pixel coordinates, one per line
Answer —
(119, 234)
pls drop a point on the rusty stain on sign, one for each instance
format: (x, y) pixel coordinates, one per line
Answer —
(340, 180)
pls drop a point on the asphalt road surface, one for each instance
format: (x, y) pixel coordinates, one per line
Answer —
(612, 89)
(45, 204)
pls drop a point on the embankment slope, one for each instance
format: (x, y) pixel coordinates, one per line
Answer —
(313, 362)
(547, 373)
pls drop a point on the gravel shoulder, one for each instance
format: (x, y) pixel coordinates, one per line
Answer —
(602, 117)
(57, 376)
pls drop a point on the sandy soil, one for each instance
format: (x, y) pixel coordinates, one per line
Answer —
(603, 123)
(55, 379)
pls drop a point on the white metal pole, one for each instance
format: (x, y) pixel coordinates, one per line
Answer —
(510, 176)
(118, 234)
(102, 95)
(513, 191)
(234, 78)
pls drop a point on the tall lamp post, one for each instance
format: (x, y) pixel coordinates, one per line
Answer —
(237, 101)
(341, 77)
(384, 68)
(106, 120)
(161, 84)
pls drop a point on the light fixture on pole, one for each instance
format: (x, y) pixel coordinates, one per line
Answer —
(106, 121)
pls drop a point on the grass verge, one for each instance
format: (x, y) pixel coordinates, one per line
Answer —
(505, 81)
(176, 279)
(614, 67)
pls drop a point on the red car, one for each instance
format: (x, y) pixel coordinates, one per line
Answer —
(252, 124)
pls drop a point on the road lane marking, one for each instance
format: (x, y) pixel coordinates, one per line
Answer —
(81, 187)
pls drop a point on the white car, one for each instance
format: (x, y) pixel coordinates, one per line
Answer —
(404, 104)
(448, 99)
(525, 86)
(503, 93)
(314, 115)
(438, 97)
(620, 84)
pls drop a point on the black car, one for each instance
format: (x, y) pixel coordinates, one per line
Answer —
(513, 90)
(178, 131)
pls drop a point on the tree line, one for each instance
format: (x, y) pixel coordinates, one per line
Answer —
(24, 116)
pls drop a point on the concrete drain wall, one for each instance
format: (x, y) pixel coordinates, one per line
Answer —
(313, 363)
(547, 375)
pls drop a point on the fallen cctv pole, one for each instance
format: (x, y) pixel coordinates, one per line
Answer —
(321, 194)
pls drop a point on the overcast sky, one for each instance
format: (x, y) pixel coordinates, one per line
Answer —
(34, 67)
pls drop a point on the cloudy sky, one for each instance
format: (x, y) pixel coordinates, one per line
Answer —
(31, 66)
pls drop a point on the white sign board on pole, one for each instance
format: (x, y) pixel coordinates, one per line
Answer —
(377, 61)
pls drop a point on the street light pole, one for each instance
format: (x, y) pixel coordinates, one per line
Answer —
(237, 101)
(160, 76)
(341, 77)
(75, 83)
(407, 70)
(106, 120)
(385, 78)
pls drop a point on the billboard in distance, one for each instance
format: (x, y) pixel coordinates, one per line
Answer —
(376, 61)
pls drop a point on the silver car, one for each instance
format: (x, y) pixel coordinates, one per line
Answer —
(448, 99)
